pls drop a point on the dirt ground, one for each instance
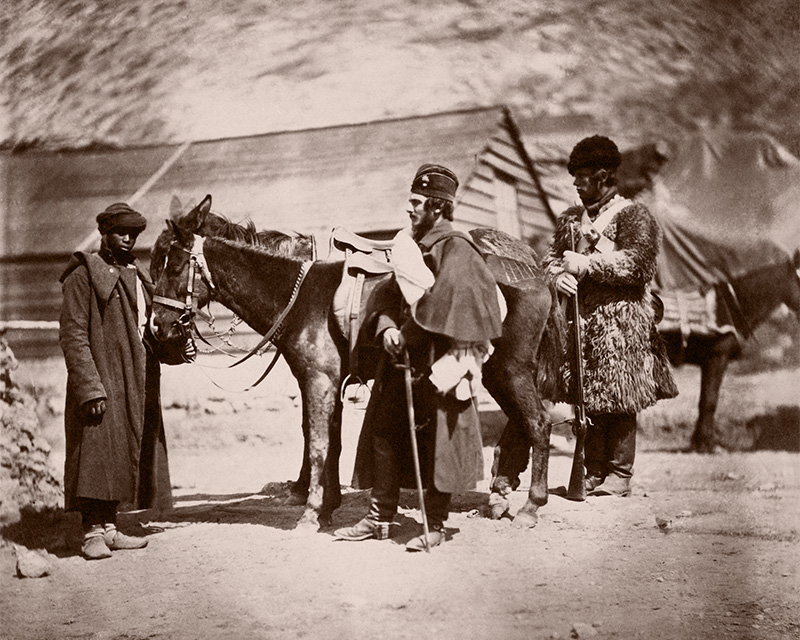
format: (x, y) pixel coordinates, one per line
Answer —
(228, 563)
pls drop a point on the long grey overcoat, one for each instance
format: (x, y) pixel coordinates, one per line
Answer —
(124, 457)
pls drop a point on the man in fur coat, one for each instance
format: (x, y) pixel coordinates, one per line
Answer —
(450, 322)
(116, 454)
(625, 364)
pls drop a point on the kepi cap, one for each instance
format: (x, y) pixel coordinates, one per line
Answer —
(436, 181)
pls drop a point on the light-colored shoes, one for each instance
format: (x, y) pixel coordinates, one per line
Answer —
(117, 541)
(94, 544)
(95, 548)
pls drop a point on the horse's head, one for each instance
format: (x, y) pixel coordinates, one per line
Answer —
(177, 266)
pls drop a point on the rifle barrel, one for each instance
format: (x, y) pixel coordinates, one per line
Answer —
(577, 478)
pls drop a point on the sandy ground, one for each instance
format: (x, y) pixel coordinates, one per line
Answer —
(228, 563)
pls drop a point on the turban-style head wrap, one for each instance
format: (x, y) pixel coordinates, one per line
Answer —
(436, 181)
(596, 152)
(120, 216)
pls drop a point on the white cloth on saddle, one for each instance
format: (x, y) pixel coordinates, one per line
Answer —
(412, 274)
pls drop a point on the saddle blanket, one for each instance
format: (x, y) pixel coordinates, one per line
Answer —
(692, 312)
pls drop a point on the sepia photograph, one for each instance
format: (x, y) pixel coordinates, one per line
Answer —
(452, 320)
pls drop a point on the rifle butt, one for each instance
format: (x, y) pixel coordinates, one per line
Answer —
(577, 477)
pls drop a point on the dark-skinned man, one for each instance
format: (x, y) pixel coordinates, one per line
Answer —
(116, 454)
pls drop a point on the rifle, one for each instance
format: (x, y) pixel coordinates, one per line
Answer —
(577, 478)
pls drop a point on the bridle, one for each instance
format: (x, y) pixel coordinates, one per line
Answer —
(199, 271)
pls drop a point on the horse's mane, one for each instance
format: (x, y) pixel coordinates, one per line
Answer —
(275, 242)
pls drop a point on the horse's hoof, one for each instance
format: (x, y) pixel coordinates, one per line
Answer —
(308, 523)
(706, 448)
(525, 519)
(498, 506)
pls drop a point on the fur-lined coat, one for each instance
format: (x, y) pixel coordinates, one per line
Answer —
(625, 362)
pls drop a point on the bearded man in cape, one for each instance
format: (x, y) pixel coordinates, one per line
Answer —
(446, 325)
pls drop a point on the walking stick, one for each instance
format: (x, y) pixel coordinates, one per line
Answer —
(414, 451)
(577, 478)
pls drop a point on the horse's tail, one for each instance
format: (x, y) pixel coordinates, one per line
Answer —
(551, 353)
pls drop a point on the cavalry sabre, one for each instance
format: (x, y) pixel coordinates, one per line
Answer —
(412, 425)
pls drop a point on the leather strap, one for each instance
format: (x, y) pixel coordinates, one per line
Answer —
(304, 269)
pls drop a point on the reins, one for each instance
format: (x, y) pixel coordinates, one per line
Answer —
(277, 326)
(198, 269)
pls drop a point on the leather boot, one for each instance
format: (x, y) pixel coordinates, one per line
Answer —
(592, 482)
(365, 529)
(621, 451)
(435, 537)
(613, 486)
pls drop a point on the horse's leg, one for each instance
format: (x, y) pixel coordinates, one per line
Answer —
(527, 431)
(299, 491)
(510, 376)
(537, 425)
(332, 490)
(510, 460)
(713, 369)
(320, 395)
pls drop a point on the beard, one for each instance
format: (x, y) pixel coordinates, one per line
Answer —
(423, 224)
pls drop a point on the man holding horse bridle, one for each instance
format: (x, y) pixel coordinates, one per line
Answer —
(446, 324)
(116, 455)
(611, 269)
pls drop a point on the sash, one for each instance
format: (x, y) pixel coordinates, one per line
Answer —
(592, 232)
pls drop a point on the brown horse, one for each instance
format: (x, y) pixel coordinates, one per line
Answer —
(258, 286)
(757, 295)
(759, 290)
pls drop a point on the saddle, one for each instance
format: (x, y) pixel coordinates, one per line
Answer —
(366, 264)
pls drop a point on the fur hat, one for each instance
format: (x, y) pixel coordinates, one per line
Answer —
(595, 152)
(120, 216)
(435, 181)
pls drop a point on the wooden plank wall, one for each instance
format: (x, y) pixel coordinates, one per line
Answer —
(477, 205)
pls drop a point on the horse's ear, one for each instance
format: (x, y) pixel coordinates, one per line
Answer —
(175, 208)
(197, 216)
(203, 208)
